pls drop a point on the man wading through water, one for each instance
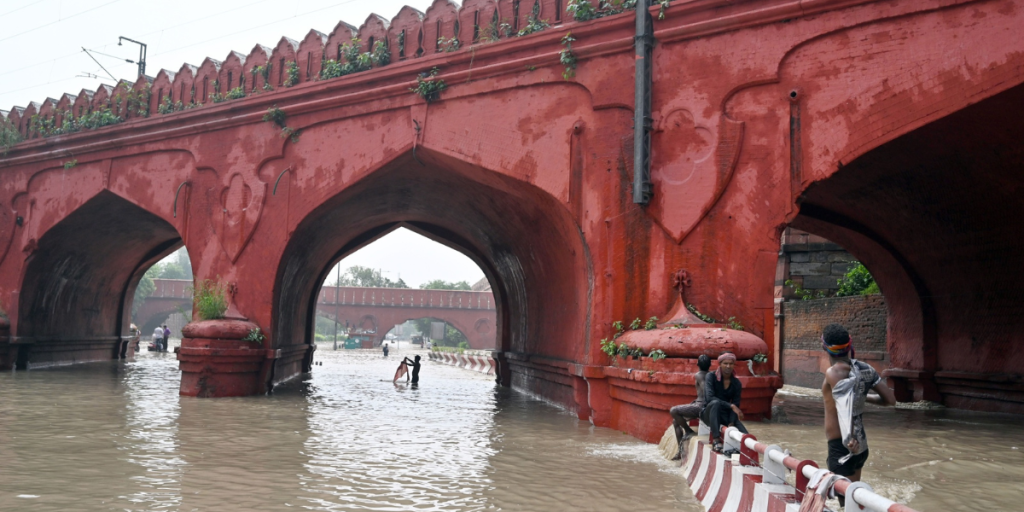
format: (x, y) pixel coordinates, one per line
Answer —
(845, 391)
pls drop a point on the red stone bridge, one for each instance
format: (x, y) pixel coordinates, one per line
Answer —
(890, 127)
(372, 310)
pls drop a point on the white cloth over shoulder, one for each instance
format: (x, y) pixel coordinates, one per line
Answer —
(850, 394)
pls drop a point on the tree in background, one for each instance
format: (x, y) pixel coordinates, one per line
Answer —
(440, 284)
(366, 277)
(858, 281)
(145, 288)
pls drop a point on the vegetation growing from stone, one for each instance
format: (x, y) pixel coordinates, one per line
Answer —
(584, 10)
(857, 281)
(428, 86)
(608, 346)
(292, 72)
(9, 136)
(255, 335)
(210, 299)
(354, 61)
(278, 117)
(448, 45)
(567, 58)
(533, 22)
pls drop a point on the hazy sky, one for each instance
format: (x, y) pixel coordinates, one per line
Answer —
(414, 258)
(41, 41)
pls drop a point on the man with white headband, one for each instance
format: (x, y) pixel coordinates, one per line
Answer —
(722, 391)
(845, 392)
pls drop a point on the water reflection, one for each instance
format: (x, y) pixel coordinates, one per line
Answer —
(117, 437)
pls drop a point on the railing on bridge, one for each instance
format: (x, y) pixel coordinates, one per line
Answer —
(778, 463)
(406, 297)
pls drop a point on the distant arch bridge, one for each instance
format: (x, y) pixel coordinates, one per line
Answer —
(375, 310)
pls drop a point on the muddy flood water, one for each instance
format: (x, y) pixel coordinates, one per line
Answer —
(116, 436)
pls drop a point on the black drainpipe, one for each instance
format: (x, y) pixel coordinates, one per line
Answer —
(642, 112)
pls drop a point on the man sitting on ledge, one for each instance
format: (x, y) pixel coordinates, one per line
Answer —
(722, 392)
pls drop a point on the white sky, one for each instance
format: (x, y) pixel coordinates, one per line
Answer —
(41, 56)
(41, 41)
(414, 258)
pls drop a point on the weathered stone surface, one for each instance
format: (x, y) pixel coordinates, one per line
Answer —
(810, 269)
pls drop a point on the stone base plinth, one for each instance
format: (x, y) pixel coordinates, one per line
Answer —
(215, 362)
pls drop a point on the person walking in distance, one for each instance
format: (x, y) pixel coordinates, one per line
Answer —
(682, 414)
(167, 337)
(845, 391)
(385, 349)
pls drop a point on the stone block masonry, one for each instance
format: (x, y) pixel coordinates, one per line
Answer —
(803, 361)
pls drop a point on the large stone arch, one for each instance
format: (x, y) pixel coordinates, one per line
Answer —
(936, 214)
(80, 280)
(523, 239)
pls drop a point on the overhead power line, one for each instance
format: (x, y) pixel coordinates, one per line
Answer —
(58, 21)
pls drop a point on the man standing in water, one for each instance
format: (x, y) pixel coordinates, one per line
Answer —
(385, 348)
(722, 391)
(415, 365)
(845, 391)
(682, 414)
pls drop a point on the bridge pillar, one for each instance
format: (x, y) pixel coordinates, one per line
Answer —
(215, 361)
(8, 352)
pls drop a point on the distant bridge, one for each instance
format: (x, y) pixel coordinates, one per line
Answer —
(374, 310)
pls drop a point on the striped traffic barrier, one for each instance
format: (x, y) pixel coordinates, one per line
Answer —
(477, 363)
(742, 483)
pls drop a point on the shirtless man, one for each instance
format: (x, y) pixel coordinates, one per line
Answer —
(847, 459)
(682, 414)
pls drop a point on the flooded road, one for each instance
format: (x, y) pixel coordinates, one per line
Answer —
(116, 436)
(941, 460)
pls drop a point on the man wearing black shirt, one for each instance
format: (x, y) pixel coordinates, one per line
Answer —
(722, 392)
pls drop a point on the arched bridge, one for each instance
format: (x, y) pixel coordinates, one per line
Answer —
(377, 310)
(374, 310)
(888, 127)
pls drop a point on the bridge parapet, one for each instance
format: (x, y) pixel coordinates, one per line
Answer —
(406, 297)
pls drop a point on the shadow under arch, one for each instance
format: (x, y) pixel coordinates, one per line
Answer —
(523, 239)
(936, 215)
(78, 286)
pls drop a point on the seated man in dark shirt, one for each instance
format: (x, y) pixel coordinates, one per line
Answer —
(722, 393)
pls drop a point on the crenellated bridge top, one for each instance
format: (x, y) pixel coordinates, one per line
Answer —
(361, 296)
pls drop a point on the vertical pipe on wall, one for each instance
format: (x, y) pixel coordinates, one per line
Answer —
(644, 43)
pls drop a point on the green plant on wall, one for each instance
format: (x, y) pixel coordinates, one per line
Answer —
(533, 22)
(428, 86)
(9, 136)
(448, 45)
(278, 117)
(70, 164)
(292, 73)
(209, 299)
(567, 58)
(255, 335)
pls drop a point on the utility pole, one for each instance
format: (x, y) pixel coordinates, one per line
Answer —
(142, 54)
(337, 291)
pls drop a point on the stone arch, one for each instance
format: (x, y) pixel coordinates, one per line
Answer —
(935, 214)
(523, 239)
(80, 280)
